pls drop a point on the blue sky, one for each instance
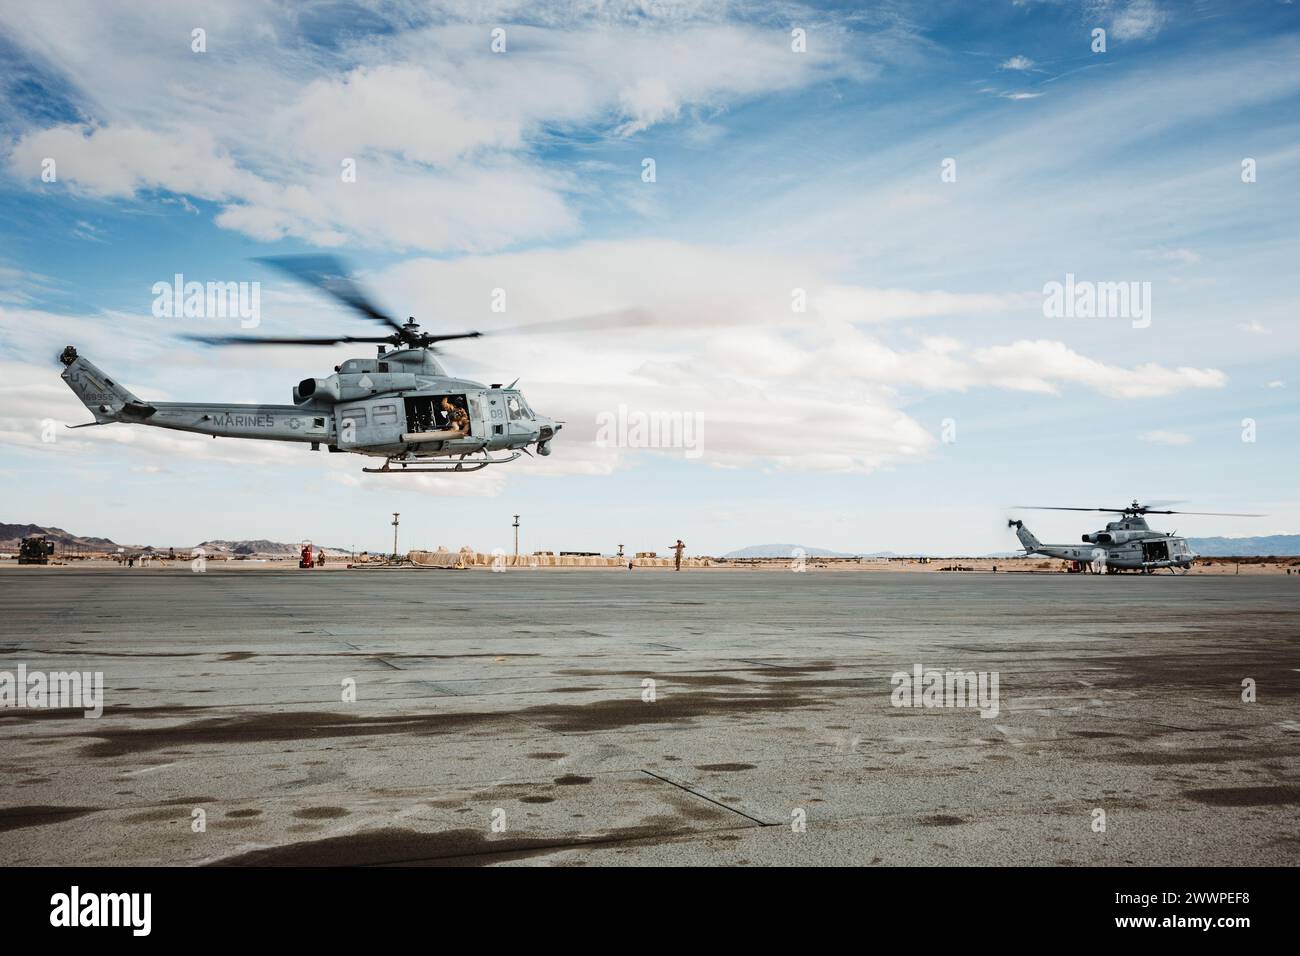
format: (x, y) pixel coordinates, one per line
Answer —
(775, 171)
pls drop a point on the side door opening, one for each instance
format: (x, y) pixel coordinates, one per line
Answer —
(427, 416)
(1155, 550)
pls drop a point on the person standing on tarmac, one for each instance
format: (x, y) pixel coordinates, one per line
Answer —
(679, 548)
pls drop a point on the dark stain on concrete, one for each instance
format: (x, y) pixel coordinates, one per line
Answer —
(725, 767)
(273, 728)
(18, 818)
(310, 725)
(941, 820)
(1169, 758)
(396, 846)
(1277, 796)
(320, 813)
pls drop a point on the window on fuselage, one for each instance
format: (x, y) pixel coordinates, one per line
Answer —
(516, 408)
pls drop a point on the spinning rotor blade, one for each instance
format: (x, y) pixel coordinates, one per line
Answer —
(330, 275)
(1051, 508)
(431, 338)
(1219, 514)
(1144, 510)
(261, 340)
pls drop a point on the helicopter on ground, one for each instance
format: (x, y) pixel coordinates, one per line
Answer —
(401, 406)
(1124, 545)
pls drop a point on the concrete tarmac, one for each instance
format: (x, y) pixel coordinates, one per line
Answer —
(590, 718)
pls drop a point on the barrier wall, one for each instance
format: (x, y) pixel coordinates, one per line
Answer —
(450, 559)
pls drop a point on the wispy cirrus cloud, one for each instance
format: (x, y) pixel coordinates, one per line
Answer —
(446, 137)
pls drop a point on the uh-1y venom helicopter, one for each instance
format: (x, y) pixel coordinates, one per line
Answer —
(401, 405)
(1124, 545)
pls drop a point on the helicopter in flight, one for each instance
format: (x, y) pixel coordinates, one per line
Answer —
(1128, 544)
(401, 405)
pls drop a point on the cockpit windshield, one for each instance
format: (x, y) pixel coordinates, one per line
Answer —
(516, 407)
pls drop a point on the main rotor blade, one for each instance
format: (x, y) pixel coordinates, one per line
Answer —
(1051, 508)
(1143, 509)
(1217, 514)
(259, 340)
(431, 338)
(330, 275)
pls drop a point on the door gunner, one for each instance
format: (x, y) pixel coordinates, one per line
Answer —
(457, 417)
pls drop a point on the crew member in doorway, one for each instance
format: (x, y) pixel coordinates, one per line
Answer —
(457, 417)
(679, 548)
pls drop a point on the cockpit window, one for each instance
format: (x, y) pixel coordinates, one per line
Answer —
(516, 407)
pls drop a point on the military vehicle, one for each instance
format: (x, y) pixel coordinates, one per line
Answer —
(35, 549)
(1128, 544)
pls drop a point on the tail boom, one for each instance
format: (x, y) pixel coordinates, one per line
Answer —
(109, 401)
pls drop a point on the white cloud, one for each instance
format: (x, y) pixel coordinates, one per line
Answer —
(725, 343)
(1166, 438)
(1017, 63)
(1041, 366)
(1135, 20)
(115, 162)
(444, 133)
(814, 390)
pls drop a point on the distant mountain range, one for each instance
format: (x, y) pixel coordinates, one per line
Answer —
(12, 534)
(1270, 545)
(258, 546)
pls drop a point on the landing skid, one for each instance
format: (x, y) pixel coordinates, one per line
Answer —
(417, 465)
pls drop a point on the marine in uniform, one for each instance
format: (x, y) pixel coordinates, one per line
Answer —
(457, 417)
